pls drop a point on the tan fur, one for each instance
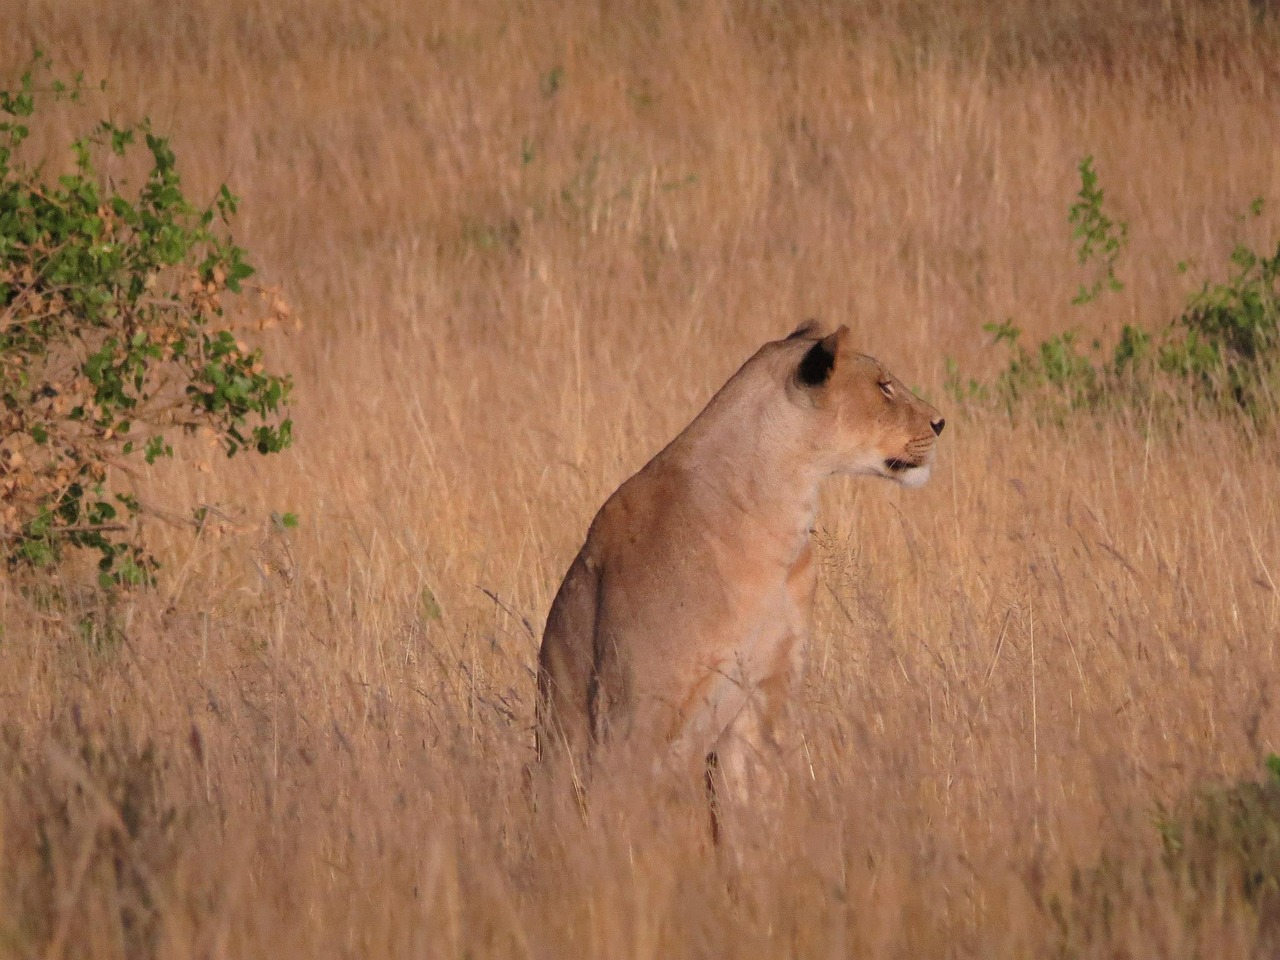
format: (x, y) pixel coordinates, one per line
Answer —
(679, 632)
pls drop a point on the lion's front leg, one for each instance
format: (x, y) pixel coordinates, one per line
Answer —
(749, 758)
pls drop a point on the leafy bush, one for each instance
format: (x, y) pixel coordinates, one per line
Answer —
(1227, 342)
(1230, 837)
(1221, 352)
(113, 332)
(1217, 849)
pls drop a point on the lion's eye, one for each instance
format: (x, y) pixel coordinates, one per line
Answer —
(886, 387)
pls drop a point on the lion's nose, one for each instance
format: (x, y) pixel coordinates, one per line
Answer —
(937, 426)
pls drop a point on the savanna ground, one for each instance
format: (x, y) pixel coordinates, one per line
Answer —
(527, 242)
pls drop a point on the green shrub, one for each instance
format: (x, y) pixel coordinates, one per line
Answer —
(114, 332)
(1227, 341)
(1222, 352)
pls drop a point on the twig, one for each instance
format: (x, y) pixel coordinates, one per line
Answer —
(92, 528)
(77, 528)
(524, 621)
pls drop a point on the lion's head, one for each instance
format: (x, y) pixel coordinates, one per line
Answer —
(868, 422)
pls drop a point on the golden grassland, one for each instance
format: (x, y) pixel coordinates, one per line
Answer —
(528, 241)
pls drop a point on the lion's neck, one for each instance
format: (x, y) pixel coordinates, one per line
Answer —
(754, 468)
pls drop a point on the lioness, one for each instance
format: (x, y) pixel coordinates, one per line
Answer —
(680, 629)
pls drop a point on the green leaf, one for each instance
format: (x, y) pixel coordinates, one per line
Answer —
(429, 605)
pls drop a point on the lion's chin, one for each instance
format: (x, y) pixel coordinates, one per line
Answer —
(909, 475)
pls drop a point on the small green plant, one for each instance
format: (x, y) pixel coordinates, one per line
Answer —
(549, 83)
(964, 389)
(1101, 238)
(1056, 366)
(114, 331)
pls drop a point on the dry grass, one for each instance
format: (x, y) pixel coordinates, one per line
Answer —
(528, 241)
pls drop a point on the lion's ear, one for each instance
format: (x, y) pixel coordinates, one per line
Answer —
(815, 369)
(810, 328)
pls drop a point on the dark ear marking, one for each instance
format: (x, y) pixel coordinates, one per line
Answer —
(815, 368)
(806, 329)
